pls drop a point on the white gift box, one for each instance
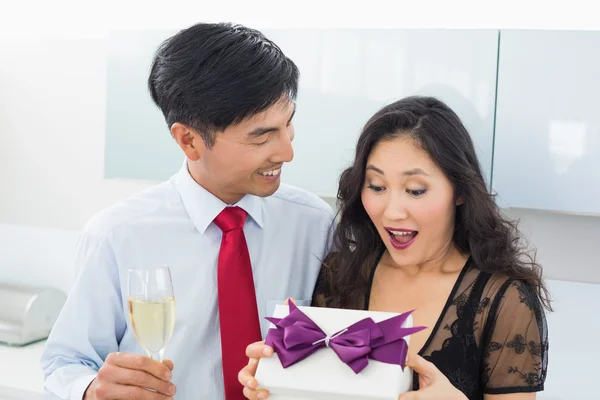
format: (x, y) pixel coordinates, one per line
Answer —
(323, 376)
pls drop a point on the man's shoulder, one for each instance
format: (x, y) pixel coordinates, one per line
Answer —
(303, 200)
(133, 209)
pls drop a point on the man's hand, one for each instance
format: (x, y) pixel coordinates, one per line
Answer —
(127, 376)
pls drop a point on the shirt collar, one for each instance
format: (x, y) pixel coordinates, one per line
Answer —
(203, 207)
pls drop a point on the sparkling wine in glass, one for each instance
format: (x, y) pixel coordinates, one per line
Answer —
(152, 309)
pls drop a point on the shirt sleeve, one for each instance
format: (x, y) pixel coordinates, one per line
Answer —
(90, 325)
(515, 342)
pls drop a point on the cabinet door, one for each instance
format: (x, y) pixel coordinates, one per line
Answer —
(547, 140)
(138, 143)
(346, 76)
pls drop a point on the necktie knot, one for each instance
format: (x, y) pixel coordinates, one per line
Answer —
(231, 218)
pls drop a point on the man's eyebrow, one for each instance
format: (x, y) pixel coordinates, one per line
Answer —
(263, 130)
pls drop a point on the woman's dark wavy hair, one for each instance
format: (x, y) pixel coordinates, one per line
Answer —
(494, 243)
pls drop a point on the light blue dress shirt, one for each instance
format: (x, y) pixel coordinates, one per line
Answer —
(288, 234)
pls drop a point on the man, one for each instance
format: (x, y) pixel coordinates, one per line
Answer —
(227, 94)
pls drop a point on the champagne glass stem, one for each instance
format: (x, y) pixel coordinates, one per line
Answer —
(157, 355)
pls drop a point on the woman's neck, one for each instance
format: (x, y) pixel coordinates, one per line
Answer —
(450, 261)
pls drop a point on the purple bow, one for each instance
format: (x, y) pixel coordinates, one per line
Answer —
(296, 337)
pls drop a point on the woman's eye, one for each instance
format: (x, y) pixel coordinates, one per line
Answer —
(376, 189)
(416, 193)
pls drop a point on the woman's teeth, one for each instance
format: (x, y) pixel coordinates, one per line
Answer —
(401, 233)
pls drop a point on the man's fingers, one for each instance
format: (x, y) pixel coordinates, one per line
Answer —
(168, 364)
(141, 363)
(258, 350)
(110, 391)
(141, 379)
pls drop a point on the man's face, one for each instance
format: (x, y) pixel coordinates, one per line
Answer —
(247, 158)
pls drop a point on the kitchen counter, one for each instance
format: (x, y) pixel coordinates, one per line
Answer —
(21, 377)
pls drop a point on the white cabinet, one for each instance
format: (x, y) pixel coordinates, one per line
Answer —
(132, 120)
(347, 75)
(547, 139)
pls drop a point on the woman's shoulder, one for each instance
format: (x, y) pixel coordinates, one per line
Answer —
(494, 283)
(495, 289)
(501, 291)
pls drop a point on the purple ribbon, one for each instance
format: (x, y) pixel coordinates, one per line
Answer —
(296, 337)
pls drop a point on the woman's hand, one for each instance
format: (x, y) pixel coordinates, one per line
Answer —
(433, 385)
(254, 352)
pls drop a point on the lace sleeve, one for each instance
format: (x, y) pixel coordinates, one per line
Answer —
(515, 342)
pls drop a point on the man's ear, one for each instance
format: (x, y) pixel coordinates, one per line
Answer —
(189, 140)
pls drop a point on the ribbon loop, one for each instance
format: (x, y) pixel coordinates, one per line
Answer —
(296, 337)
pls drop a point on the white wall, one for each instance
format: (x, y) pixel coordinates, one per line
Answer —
(52, 118)
(37, 257)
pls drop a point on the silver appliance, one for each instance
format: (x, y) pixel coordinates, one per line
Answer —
(27, 314)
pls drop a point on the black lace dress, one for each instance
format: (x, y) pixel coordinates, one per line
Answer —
(490, 338)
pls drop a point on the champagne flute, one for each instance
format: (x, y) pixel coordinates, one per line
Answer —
(152, 309)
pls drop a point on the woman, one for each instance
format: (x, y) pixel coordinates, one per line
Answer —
(419, 230)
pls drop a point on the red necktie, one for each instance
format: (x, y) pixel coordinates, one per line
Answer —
(238, 313)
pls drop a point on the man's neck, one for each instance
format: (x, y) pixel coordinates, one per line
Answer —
(210, 186)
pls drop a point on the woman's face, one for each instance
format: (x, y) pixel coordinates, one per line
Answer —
(409, 200)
